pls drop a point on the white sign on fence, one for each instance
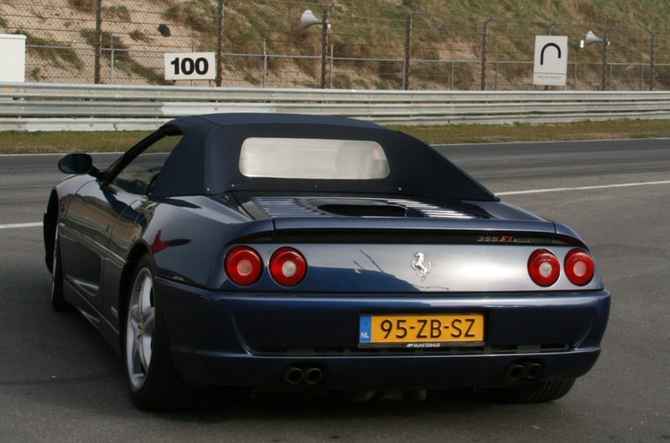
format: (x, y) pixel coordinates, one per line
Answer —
(551, 60)
(12, 58)
(190, 66)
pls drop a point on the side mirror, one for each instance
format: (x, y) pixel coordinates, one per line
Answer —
(75, 164)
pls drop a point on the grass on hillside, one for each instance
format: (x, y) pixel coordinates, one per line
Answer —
(62, 142)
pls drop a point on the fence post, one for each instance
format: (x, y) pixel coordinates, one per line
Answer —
(603, 74)
(111, 59)
(551, 26)
(611, 68)
(652, 61)
(574, 84)
(98, 42)
(331, 69)
(219, 43)
(324, 42)
(485, 33)
(408, 47)
(265, 63)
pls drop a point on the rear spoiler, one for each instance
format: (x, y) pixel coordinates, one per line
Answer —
(400, 230)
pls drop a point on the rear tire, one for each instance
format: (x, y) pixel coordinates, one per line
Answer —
(58, 302)
(152, 378)
(541, 392)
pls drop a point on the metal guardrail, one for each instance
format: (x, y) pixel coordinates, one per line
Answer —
(44, 106)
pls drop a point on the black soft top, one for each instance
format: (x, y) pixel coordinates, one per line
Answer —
(206, 161)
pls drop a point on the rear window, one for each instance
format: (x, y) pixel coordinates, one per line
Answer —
(310, 158)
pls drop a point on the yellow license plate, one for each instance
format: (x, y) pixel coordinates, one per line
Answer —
(419, 329)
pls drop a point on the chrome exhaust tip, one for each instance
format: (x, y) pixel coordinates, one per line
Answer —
(515, 372)
(313, 376)
(293, 375)
(532, 370)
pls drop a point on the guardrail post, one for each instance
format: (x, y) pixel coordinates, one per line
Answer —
(219, 43)
(98, 42)
(485, 34)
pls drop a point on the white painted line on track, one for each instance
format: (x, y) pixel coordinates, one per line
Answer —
(585, 188)
(20, 225)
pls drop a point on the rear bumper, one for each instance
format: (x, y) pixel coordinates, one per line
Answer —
(376, 373)
(245, 340)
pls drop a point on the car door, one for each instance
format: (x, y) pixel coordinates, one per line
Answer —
(131, 187)
(85, 231)
(109, 207)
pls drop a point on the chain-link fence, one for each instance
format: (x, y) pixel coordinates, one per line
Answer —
(261, 44)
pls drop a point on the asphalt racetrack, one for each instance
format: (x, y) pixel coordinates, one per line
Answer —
(60, 382)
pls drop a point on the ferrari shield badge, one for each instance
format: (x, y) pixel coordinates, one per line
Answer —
(421, 265)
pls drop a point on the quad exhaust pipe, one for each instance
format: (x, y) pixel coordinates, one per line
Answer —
(293, 375)
(310, 375)
(523, 370)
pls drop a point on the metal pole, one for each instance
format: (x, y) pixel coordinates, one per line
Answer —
(192, 50)
(574, 84)
(408, 47)
(98, 42)
(551, 25)
(603, 74)
(324, 43)
(332, 66)
(111, 59)
(219, 43)
(611, 67)
(265, 63)
(484, 43)
(652, 61)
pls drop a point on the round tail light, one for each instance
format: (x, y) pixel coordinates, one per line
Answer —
(544, 268)
(243, 265)
(579, 267)
(287, 266)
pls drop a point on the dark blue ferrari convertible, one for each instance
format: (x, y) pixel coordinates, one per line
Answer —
(316, 254)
